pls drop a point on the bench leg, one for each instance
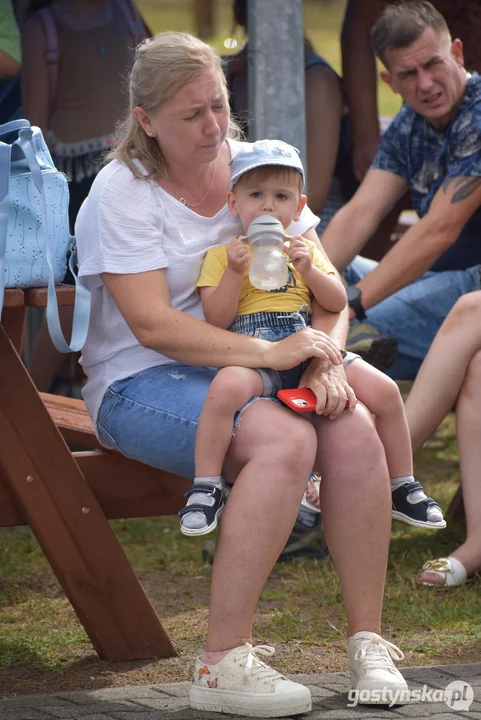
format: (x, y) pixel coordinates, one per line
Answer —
(65, 517)
(13, 320)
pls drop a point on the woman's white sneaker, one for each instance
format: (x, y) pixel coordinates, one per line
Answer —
(372, 670)
(242, 684)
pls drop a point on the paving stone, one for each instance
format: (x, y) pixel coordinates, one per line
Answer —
(423, 709)
(321, 692)
(22, 713)
(160, 703)
(172, 689)
(97, 716)
(463, 672)
(318, 679)
(38, 702)
(451, 716)
(127, 692)
(154, 715)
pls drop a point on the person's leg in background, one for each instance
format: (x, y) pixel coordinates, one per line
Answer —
(451, 376)
(465, 560)
(414, 314)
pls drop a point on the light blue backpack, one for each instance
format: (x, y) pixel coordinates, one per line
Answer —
(34, 230)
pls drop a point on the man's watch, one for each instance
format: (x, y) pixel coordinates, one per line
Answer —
(354, 301)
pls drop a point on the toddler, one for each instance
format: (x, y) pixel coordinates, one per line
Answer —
(268, 178)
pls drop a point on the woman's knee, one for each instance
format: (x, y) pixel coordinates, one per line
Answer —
(351, 440)
(269, 434)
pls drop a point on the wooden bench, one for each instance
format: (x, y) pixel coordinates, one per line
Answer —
(67, 498)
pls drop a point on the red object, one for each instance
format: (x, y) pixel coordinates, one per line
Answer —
(300, 399)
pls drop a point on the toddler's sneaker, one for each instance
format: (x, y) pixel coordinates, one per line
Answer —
(371, 667)
(242, 684)
(411, 505)
(205, 505)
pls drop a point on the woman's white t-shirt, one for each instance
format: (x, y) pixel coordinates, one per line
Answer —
(131, 225)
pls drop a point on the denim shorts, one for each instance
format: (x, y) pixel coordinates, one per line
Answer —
(152, 417)
(414, 314)
(273, 326)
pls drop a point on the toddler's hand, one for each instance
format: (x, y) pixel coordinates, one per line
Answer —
(238, 256)
(299, 255)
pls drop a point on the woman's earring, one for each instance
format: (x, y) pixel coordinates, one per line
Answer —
(151, 134)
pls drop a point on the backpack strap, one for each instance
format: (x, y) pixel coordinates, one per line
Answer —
(131, 19)
(4, 207)
(52, 54)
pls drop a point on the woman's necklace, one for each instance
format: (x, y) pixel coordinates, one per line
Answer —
(183, 201)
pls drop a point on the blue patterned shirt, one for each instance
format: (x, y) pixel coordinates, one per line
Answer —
(425, 156)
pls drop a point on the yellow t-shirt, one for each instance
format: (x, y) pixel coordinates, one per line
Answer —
(252, 300)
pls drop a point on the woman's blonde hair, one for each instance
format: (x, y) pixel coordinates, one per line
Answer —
(163, 65)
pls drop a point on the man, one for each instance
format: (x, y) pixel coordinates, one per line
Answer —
(433, 146)
(463, 18)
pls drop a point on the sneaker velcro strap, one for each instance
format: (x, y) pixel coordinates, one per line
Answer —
(413, 486)
(200, 488)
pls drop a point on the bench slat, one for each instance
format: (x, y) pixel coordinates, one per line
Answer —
(37, 297)
(72, 419)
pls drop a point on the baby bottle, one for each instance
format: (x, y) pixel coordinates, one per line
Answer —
(268, 268)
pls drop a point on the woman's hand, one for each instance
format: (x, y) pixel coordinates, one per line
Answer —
(300, 346)
(329, 384)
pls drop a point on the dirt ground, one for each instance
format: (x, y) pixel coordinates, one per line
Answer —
(187, 626)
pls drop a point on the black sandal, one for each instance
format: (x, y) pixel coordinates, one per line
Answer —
(212, 508)
(414, 513)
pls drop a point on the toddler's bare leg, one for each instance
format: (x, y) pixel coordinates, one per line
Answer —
(231, 388)
(382, 398)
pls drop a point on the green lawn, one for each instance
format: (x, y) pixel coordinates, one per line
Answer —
(322, 24)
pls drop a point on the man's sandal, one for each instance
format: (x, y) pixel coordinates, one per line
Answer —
(445, 572)
(210, 503)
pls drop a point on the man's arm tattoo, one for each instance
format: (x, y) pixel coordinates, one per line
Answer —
(463, 187)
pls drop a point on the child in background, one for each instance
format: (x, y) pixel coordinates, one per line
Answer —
(268, 178)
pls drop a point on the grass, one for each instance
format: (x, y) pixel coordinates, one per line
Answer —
(42, 645)
(322, 24)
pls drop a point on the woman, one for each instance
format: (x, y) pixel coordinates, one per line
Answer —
(142, 232)
(330, 176)
(445, 379)
(78, 106)
(75, 56)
